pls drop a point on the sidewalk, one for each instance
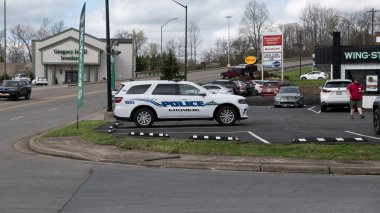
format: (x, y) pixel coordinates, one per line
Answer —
(74, 147)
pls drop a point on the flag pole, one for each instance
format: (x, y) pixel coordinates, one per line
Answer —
(81, 61)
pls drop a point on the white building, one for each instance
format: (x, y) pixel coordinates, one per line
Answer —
(56, 58)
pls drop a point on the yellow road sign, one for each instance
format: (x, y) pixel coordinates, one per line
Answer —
(250, 59)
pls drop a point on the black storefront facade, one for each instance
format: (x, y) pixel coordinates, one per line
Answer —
(352, 62)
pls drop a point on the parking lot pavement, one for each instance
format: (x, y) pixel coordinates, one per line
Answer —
(268, 125)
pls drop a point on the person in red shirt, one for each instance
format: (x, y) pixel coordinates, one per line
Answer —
(355, 91)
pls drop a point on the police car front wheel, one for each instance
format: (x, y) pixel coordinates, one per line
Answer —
(144, 117)
(226, 116)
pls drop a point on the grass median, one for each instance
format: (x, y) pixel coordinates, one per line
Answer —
(176, 146)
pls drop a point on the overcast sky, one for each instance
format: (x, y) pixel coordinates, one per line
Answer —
(150, 15)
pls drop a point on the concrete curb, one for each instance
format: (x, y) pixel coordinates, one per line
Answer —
(73, 147)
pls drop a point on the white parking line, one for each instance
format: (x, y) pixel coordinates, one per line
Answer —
(312, 109)
(12, 119)
(261, 139)
(354, 133)
(52, 109)
(249, 132)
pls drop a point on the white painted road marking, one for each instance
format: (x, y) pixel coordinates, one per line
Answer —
(12, 119)
(312, 109)
(52, 109)
(354, 133)
(256, 136)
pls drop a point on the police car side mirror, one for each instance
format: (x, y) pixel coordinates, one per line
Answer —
(202, 93)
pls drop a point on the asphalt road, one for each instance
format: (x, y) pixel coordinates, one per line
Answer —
(31, 182)
(120, 189)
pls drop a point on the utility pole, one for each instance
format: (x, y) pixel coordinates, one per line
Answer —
(299, 45)
(300, 37)
(108, 50)
(229, 42)
(5, 41)
(373, 11)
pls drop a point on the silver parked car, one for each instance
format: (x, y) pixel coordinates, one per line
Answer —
(215, 88)
(289, 96)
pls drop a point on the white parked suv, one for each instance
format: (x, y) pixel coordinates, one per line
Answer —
(333, 93)
(145, 102)
(22, 76)
(314, 75)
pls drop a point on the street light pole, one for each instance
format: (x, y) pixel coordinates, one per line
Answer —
(5, 41)
(108, 49)
(184, 6)
(161, 35)
(229, 42)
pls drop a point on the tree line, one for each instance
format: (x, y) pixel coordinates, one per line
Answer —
(314, 28)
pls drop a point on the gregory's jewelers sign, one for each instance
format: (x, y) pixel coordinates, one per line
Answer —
(68, 55)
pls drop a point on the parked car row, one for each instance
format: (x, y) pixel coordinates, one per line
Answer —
(242, 88)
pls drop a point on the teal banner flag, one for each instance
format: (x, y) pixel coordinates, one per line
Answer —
(81, 57)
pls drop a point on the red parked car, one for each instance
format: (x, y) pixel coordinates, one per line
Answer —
(229, 74)
(271, 88)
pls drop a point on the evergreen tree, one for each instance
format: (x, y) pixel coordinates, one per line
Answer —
(170, 68)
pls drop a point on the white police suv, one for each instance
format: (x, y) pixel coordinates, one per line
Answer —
(147, 101)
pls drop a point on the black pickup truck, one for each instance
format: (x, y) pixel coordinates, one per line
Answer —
(14, 89)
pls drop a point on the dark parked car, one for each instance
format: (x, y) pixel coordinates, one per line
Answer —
(14, 89)
(376, 115)
(271, 88)
(289, 96)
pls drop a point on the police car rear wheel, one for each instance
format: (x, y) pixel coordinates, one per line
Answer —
(144, 118)
(226, 116)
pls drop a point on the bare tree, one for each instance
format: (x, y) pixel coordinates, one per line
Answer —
(16, 50)
(43, 31)
(289, 32)
(194, 40)
(57, 27)
(48, 28)
(2, 58)
(364, 21)
(25, 34)
(317, 25)
(123, 34)
(140, 39)
(153, 52)
(239, 50)
(221, 51)
(254, 23)
(171, 46)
